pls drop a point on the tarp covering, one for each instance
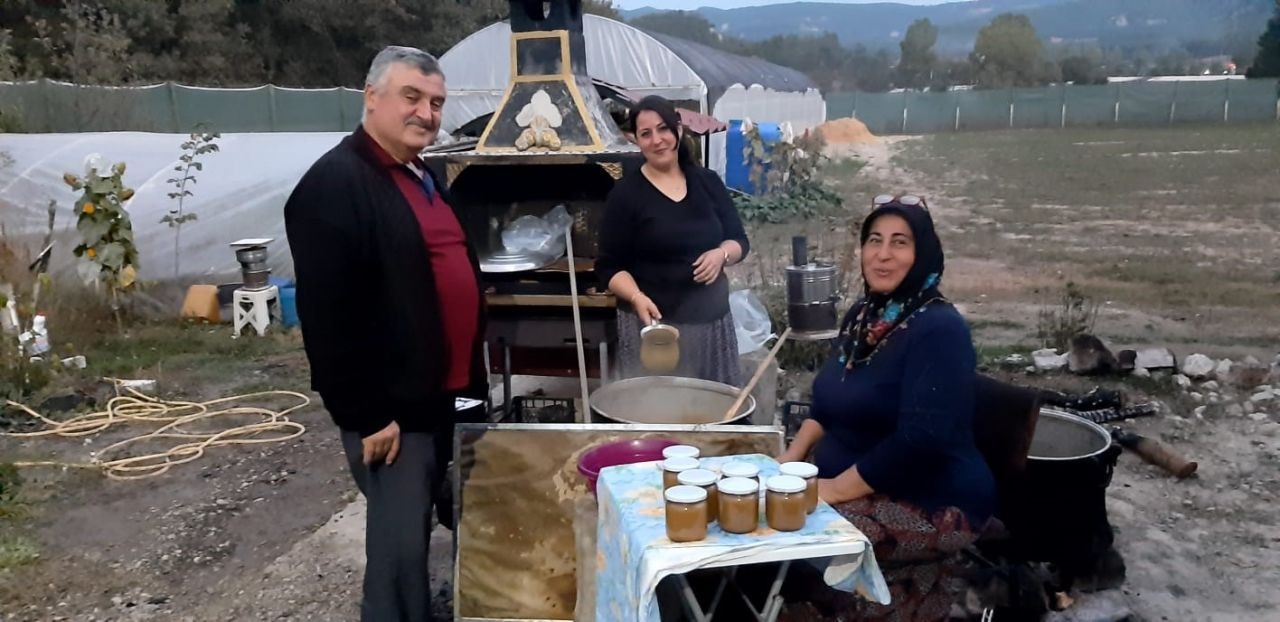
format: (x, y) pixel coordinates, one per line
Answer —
(726, 86)
(240, 193)
(721, 70)
(52, 106)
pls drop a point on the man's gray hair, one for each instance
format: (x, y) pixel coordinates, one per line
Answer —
(392, 54)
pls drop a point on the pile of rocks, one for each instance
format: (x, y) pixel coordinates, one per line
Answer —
(1245, 388)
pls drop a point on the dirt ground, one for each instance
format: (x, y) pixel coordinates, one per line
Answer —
(193, 542)
(1175, 232)
(1173, 229)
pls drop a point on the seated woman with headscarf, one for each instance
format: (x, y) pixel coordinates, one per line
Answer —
(892, 421)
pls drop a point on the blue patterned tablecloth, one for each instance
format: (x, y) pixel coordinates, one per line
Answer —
(633, 553)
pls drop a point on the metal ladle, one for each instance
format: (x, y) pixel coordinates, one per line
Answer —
(659, 347)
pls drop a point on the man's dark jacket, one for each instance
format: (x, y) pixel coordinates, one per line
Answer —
(366, 296)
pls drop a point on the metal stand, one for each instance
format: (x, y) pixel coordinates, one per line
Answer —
(828, 337)
(504, 411)
(772, 606)
(252, 308)
(506, 378)
(817, 335)
(604, 364)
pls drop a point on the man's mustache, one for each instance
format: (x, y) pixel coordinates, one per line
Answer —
(419, 122)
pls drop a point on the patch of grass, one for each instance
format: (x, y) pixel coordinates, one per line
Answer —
(156, 347)
(1150, 219)
(1074, 314)
(992, 355)
(10, 483)
(841, 169)
(977, 325)
(16, 551)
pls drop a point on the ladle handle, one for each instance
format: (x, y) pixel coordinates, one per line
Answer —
(1155, 452)
(755, 378)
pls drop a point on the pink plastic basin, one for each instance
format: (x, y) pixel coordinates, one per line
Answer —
(618, 453)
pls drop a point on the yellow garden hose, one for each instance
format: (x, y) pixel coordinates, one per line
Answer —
(173, 417)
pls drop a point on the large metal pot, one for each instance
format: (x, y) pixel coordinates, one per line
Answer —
(812, 317)
(813, 282)
(1059, 512)
(256, 279)
(811, 297)
(252, 256)
(666, 400)
(253, 266)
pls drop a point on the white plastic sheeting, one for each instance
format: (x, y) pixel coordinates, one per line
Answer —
(240, 193)
(478, 68)
(803, 111)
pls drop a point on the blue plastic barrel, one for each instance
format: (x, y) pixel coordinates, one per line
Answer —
(289, 306)
(737, 164)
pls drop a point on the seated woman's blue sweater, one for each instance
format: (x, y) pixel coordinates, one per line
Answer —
(905, 417)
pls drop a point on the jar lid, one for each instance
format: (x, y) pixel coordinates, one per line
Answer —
(681, 451)
(786, 484)
(686, 494)
(739, 469)
(737, 486)
(803, 470)
(698, 477)
(679, 463)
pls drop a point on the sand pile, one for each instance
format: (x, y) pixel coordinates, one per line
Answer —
(848, 131)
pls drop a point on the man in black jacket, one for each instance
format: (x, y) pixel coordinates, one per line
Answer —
(391, 312)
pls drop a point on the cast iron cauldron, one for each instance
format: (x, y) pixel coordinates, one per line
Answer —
(1058, 512)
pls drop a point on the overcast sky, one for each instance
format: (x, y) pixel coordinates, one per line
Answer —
(731, 4)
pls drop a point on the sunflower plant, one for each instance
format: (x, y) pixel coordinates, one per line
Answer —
(106, 250)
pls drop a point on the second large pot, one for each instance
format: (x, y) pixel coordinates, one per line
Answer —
(814, 282)
(1059, 512)
(667, 400)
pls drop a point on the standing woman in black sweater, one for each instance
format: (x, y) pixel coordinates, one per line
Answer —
(669, 231)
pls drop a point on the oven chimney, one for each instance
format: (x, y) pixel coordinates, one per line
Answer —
(550, 104)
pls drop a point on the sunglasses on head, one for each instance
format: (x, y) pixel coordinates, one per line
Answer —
(903, 200)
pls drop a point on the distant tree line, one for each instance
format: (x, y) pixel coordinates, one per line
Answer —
(1267, 64)
(301, 43)
(1007, 52)
(324, 43)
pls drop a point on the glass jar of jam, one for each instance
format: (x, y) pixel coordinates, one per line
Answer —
(808, 473)
(741, 469)
(686, 513)
(784, 503)
(739, 510)
(672, 467)
(681, 451)
(706, 480)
